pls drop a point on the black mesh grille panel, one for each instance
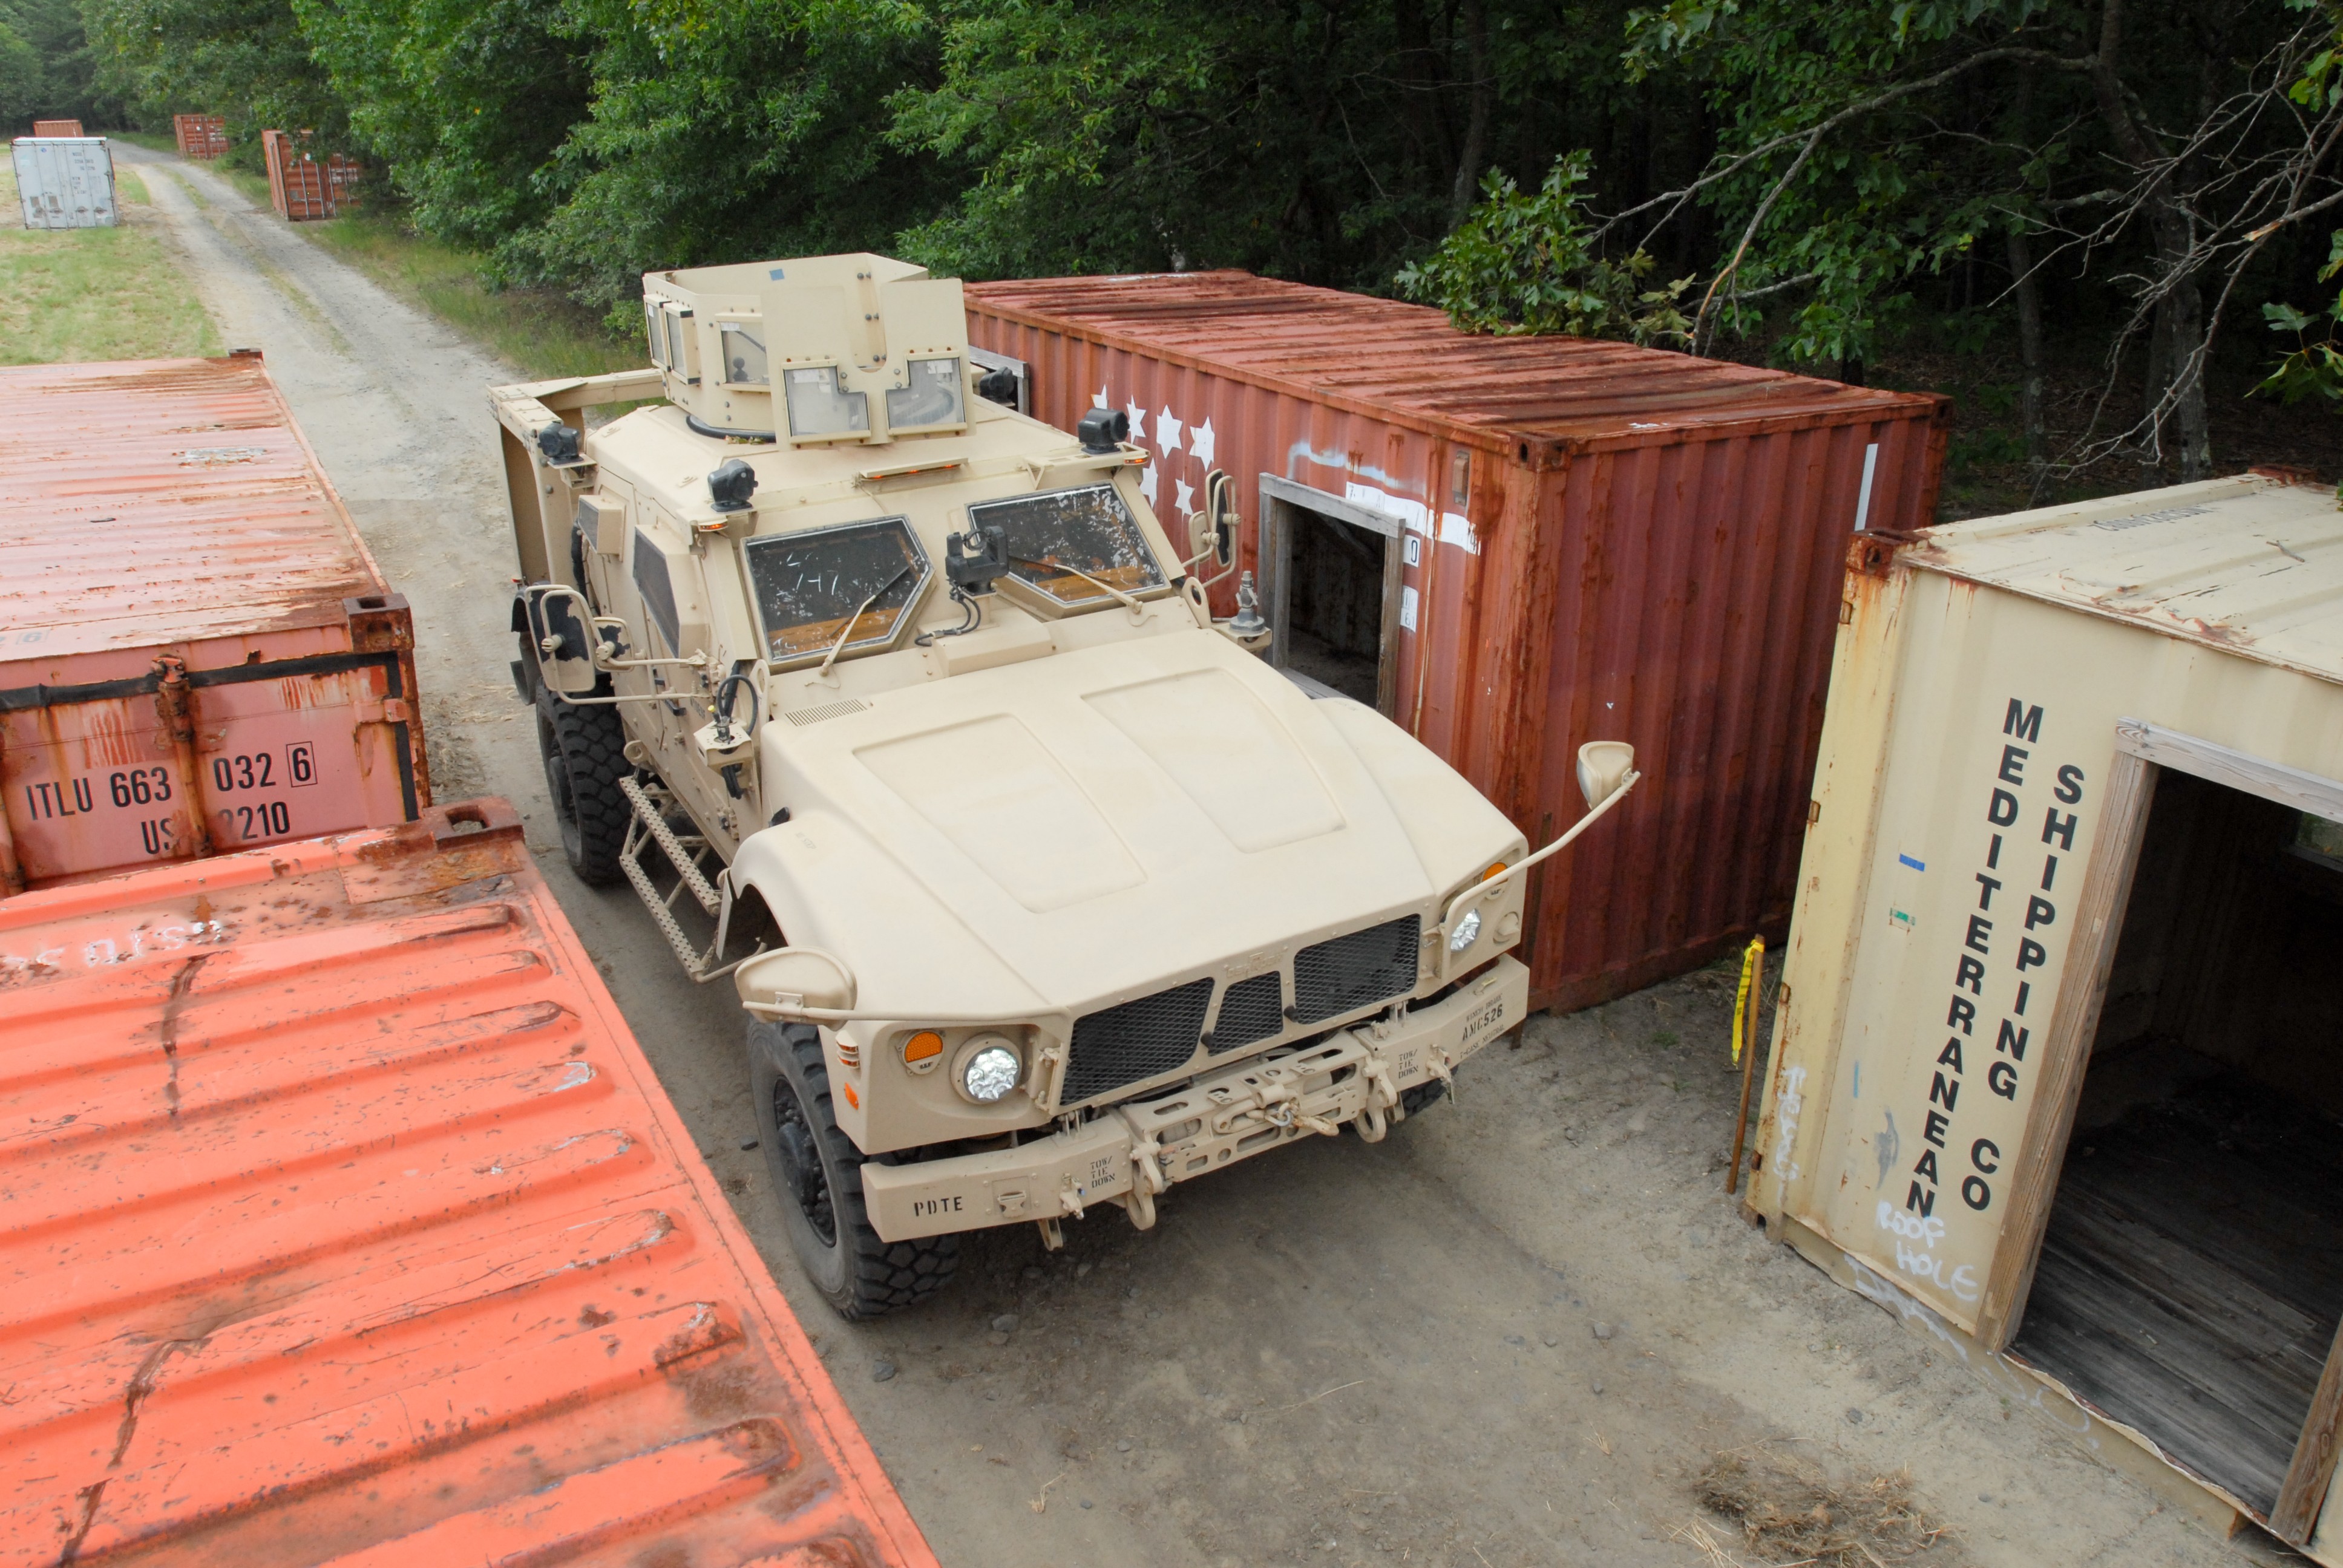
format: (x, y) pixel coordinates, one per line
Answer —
(1120, 1045)
(1251, 1009)
(1345, 973)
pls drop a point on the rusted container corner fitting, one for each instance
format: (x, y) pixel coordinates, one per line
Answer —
(200, 135)
(347, 1224)
(2058, 1064)
(197, 653)
(1570, 540)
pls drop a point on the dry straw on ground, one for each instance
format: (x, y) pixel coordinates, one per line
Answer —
(1794, 1511)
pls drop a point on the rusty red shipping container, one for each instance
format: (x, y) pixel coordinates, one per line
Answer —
(347, 1224)
(57, 127)
(196, 651)
(303, 188)
(200, 135)
(1523, 544)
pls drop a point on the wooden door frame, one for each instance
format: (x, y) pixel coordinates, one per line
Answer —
(2142, 750)
(1278, 496)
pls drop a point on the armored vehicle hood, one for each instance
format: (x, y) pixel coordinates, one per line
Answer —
(1065, 832)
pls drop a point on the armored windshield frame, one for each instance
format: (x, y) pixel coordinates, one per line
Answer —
(1028, 547)
(767, 554)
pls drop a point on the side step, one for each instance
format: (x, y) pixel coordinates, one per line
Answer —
(686, 853)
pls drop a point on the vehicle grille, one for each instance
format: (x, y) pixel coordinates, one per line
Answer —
(1250, 1011)
(1347, 972)
(1136, 1040)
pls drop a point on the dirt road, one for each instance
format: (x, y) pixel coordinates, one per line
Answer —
(1511, 1334)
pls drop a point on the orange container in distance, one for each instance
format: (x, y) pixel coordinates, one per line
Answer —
(347, 1224)
(197, 653)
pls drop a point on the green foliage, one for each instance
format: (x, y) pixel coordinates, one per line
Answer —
(20, 75)
(246, 60)
(723, 130)
(45, 66)
(2313, 372)
(1525, 264)
(1290, 136)
(464, 101)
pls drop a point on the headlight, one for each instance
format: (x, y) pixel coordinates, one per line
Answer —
(1467, 931)
(990, 1070)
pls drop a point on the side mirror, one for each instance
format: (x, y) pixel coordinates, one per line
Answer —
(560, 623)
(1602, 764)
(1212, 532)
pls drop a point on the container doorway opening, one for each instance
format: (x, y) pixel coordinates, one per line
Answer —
(2190, 1278)
(1335, 594)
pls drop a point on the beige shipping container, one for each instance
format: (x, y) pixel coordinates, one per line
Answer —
(2058, 1069)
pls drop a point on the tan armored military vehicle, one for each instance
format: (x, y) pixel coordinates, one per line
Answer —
(1041, 891)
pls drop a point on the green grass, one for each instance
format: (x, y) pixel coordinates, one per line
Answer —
(76, 295)
(545, 333)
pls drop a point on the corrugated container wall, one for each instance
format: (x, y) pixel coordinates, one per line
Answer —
(1585, 541)
(196, 652)
(200, 135)
(2060, 1067)
(57, 127)
(65, 182)
(347, 1223)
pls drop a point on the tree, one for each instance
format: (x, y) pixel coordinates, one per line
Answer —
(465, 102)
(246, 60)
(1872, 141)
(1523, 264)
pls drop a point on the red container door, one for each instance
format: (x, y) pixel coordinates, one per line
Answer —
(100, 778)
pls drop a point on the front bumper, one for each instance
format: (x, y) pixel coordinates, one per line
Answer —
(1128, 1154)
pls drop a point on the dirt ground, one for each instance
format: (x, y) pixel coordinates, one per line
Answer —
(1515, 1333)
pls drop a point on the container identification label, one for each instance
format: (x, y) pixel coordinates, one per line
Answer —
(1964, 1105)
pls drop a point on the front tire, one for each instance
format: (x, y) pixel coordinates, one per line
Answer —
(584, 750)
(817, 1174)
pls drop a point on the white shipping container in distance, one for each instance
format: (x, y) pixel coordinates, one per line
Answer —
(2057, 1077)
(66, 182)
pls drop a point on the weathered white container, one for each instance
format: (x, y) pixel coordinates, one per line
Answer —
(66, 182)
(2060, 1065)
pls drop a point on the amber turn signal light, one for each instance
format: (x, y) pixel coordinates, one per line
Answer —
(922, 1051)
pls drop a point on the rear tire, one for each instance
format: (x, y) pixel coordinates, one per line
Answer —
(584, 750)
(817, 1175)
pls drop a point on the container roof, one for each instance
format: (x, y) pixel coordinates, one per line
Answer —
(148, 501)
(346, 1222)
(2253, 564)
(1385, 357)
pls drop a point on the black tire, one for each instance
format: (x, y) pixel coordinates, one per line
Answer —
(1410, 1100)
(1430, 1091)
(817, 1175)
(585, 757)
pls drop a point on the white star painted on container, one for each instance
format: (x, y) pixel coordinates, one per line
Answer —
(1167, 430)
(1138, 424)
(1200, 441)
(1184, 497)
(1099, 401)
(1147, 483)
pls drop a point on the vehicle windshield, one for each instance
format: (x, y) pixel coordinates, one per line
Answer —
(806, 585)
(1065, 543)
